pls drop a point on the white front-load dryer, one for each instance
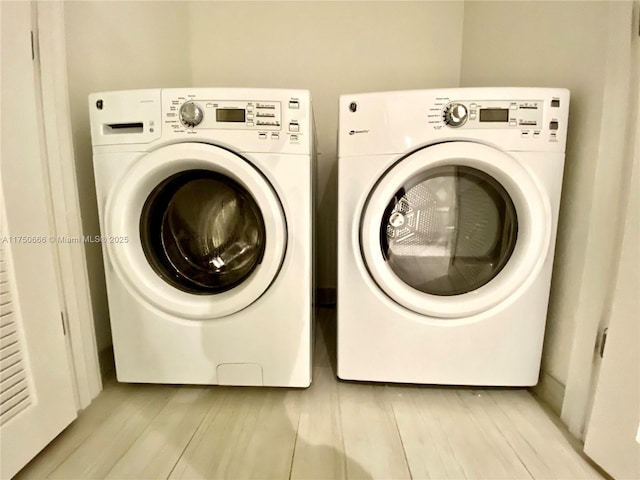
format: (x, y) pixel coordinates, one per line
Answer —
(447, 211)
(205, 204)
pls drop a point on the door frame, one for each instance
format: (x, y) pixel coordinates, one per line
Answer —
(51, 77)
(617, 139)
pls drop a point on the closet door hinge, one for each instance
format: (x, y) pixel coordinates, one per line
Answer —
(603, 341)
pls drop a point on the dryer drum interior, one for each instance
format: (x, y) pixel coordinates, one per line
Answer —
(202, 232)
(449, 230)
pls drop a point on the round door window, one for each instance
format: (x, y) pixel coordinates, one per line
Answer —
(202, 232)
(449, 231)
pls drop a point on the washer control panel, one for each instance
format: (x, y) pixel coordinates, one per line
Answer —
(187, 113)
(281, 118)
(252, 119)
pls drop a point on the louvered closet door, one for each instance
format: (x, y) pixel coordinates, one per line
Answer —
(37, 398)
(36, 392)
(15, 392)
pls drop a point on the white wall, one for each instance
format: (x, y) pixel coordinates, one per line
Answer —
(562, 44)
(330, 48)
(113, 46)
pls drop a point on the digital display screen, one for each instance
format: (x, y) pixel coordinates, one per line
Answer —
(494, 115)
(230, 115)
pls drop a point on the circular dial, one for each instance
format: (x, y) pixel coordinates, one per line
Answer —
(455, 115)
(191, 114)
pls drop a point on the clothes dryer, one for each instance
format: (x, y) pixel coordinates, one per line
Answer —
(205, 204)
(447, 212)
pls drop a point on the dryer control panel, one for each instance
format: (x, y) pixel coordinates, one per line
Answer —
(515, 118)
(492, 114)
(527, 116)
(524, 115)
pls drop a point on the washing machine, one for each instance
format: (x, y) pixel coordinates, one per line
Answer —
(205, 204)
(447, 214)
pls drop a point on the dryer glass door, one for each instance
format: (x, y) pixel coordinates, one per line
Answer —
(454, 229)
(202, 232)
(449, 230)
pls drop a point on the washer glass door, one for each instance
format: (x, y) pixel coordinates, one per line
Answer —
(449, 230)
(202, 232)
(206, 231)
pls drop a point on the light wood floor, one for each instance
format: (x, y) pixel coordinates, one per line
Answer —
(332, 430)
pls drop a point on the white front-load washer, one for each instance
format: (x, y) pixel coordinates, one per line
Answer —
(447, 210)
(205, 204)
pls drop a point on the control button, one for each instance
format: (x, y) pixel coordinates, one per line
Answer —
(455, 115)
(250, 124)
(513, 122)
(473, 106)
(209, 105)
(294, 104)
(294, 127)
(262, 136)
(294, 138)
(525, 134)
(191, 114)
(275, 136)
(472, 116)
(249, 116)
(555, 102)
(536, 134)
(513, 106)
(553, 125)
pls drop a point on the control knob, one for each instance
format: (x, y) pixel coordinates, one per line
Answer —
(455, 115)
(191, 114)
